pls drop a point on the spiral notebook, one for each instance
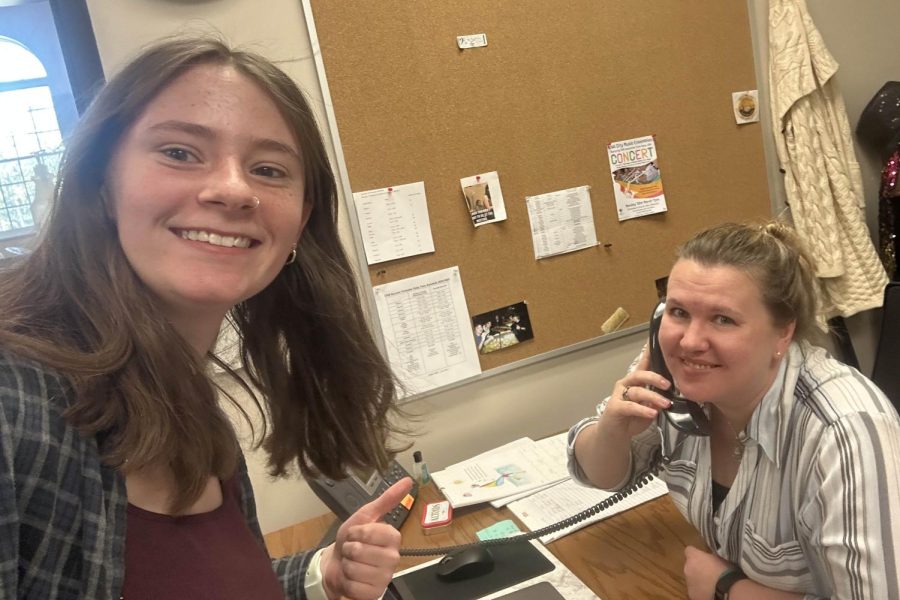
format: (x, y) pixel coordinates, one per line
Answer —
(569, 498)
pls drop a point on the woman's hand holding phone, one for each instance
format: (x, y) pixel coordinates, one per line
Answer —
(633, 406)
(603, 450)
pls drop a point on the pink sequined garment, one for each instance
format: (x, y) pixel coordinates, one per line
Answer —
(889, 215)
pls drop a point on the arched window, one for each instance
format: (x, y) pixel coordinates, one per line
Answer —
(30, 140)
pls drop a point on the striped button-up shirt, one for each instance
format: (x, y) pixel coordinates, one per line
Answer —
(815, 505)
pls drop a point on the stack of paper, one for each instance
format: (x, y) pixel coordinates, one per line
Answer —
(532, 478)
(554, 448)
(569, 498)
(520, 466)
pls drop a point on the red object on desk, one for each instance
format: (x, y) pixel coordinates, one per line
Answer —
(436, 516)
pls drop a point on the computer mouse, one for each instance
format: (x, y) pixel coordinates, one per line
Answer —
(465, 564)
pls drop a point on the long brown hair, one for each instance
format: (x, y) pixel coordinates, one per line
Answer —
(75, 305)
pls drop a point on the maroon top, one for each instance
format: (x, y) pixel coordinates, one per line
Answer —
(211, 555)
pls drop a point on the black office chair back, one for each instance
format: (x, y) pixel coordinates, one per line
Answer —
(886, 373)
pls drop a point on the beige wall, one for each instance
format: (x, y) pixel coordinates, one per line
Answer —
(536, 400)
(861, 37)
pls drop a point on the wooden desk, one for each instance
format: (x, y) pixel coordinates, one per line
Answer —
(636, 554)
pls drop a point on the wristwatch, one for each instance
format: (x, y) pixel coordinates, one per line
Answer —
(728, 578)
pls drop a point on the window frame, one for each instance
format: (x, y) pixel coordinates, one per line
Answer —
(81, 57)
(79, 48)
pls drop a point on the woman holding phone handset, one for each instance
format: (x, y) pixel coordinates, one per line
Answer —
(196, 187)
(795, 487)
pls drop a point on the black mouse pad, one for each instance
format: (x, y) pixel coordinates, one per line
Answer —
(513, 563)
(539, 591)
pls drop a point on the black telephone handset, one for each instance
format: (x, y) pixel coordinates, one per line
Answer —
(345, 496)
(683, 415)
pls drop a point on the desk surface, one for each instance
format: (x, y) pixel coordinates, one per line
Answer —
(636, 554)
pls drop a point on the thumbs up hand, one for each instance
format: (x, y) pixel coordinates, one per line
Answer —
(366, 551)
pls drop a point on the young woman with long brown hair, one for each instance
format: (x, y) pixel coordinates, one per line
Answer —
(195, 189)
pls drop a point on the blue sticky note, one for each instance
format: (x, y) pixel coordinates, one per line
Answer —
(498, 530)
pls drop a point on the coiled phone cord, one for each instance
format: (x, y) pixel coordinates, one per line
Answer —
(645, 478)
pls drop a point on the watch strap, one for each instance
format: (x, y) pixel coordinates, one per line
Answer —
(314, 582)
(728, 578)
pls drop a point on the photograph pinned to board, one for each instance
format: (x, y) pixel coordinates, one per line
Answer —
(394, 222)
(561, 221)
(502, 327)
(484, 199)
(637, 181)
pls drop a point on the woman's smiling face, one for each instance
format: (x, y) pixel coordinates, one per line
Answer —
(717, 336)
(206, 189)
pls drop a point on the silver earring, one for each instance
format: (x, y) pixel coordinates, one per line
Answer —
(292, 256)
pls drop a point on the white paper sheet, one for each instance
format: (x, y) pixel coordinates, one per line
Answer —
(394, 222)
(569, 498)
(514, 468)
(426, 330)
(561, 221)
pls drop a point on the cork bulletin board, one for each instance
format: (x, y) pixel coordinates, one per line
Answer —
(555, 84)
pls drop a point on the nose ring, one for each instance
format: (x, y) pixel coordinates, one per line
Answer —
(255, 202)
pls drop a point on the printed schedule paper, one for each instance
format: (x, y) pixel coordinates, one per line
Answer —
(393, 222)
(426, 330)
(561, 221)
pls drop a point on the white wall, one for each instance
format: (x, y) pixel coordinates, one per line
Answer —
(537, 400)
